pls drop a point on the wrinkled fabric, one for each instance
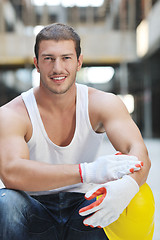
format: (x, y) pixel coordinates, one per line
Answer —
(45, 217)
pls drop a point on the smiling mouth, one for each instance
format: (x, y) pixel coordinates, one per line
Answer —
(58, 79)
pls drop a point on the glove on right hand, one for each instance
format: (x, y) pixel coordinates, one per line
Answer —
(116, 196)
(108, 168)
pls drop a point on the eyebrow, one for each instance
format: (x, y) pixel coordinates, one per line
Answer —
(52, 55)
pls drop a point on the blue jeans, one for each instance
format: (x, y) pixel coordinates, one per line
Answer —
(46, 217)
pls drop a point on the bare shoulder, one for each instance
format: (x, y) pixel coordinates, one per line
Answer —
(105, 109)
(105, 102)
(98, 95)
(13, 117)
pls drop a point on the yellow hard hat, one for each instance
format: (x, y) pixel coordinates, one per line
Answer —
(137, 220)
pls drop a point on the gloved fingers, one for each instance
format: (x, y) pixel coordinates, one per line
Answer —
(100, 219)
(100, 222)
(96, 191)
(93, 220)
(89, 209)
(120, 156)
(127, 163)
(95, 205)
(123, 169)
(89, 221)
(125, 157)
(136, 168)
(133, 157)
(127, 169)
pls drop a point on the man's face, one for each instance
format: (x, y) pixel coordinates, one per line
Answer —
(57, 65)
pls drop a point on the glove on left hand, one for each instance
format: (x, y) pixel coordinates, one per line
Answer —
(108, 168)
(116, 196)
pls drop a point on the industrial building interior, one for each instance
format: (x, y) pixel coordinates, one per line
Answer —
(121, 49)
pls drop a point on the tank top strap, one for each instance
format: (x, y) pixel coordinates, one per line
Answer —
(29, 101)
(83, 111)
(33, 112)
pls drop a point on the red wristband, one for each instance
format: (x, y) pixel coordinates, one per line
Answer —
(80, 172)
(118, 153)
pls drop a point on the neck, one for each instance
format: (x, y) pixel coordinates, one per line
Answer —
(52, 101)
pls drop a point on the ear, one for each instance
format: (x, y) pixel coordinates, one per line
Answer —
(36, 64)
(80, 61)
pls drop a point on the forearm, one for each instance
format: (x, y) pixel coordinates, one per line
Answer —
(139, 150)
(28, 175)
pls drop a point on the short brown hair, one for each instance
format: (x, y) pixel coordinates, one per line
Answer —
(58, 31)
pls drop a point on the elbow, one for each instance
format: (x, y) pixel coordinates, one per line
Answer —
(10, 184)
(149, 163)
(147, 166)
(8, 178)
(148, 160)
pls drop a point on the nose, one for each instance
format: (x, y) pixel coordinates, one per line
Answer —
(58, 66)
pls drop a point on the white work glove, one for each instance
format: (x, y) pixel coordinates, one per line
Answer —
(108, 168)
(116, 196)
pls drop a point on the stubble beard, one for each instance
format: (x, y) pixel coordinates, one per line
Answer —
(54, 91)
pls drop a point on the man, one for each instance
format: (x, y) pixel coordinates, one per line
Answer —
(49, 137)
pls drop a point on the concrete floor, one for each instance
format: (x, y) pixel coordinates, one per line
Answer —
(153, 178)
(153, 146)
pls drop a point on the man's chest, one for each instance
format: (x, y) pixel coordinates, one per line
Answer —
(60, 128)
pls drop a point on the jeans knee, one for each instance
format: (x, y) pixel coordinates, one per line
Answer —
(12, 203)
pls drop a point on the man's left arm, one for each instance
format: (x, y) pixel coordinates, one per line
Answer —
(124, 134)
(126, 138)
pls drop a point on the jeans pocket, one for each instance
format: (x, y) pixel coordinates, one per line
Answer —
(87, 234)
(38, 225)
(50, 234)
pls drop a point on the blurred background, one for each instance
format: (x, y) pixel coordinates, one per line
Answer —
(121, 48)
(120, 44)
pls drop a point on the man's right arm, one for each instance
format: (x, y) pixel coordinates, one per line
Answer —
(17, 171)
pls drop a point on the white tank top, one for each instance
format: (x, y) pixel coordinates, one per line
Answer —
(83, 147)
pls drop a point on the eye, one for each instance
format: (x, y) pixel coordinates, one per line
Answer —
(48, 59)
(67, 58)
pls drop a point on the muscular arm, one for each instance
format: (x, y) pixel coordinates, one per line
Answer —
(16, 170)
(121, 130)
